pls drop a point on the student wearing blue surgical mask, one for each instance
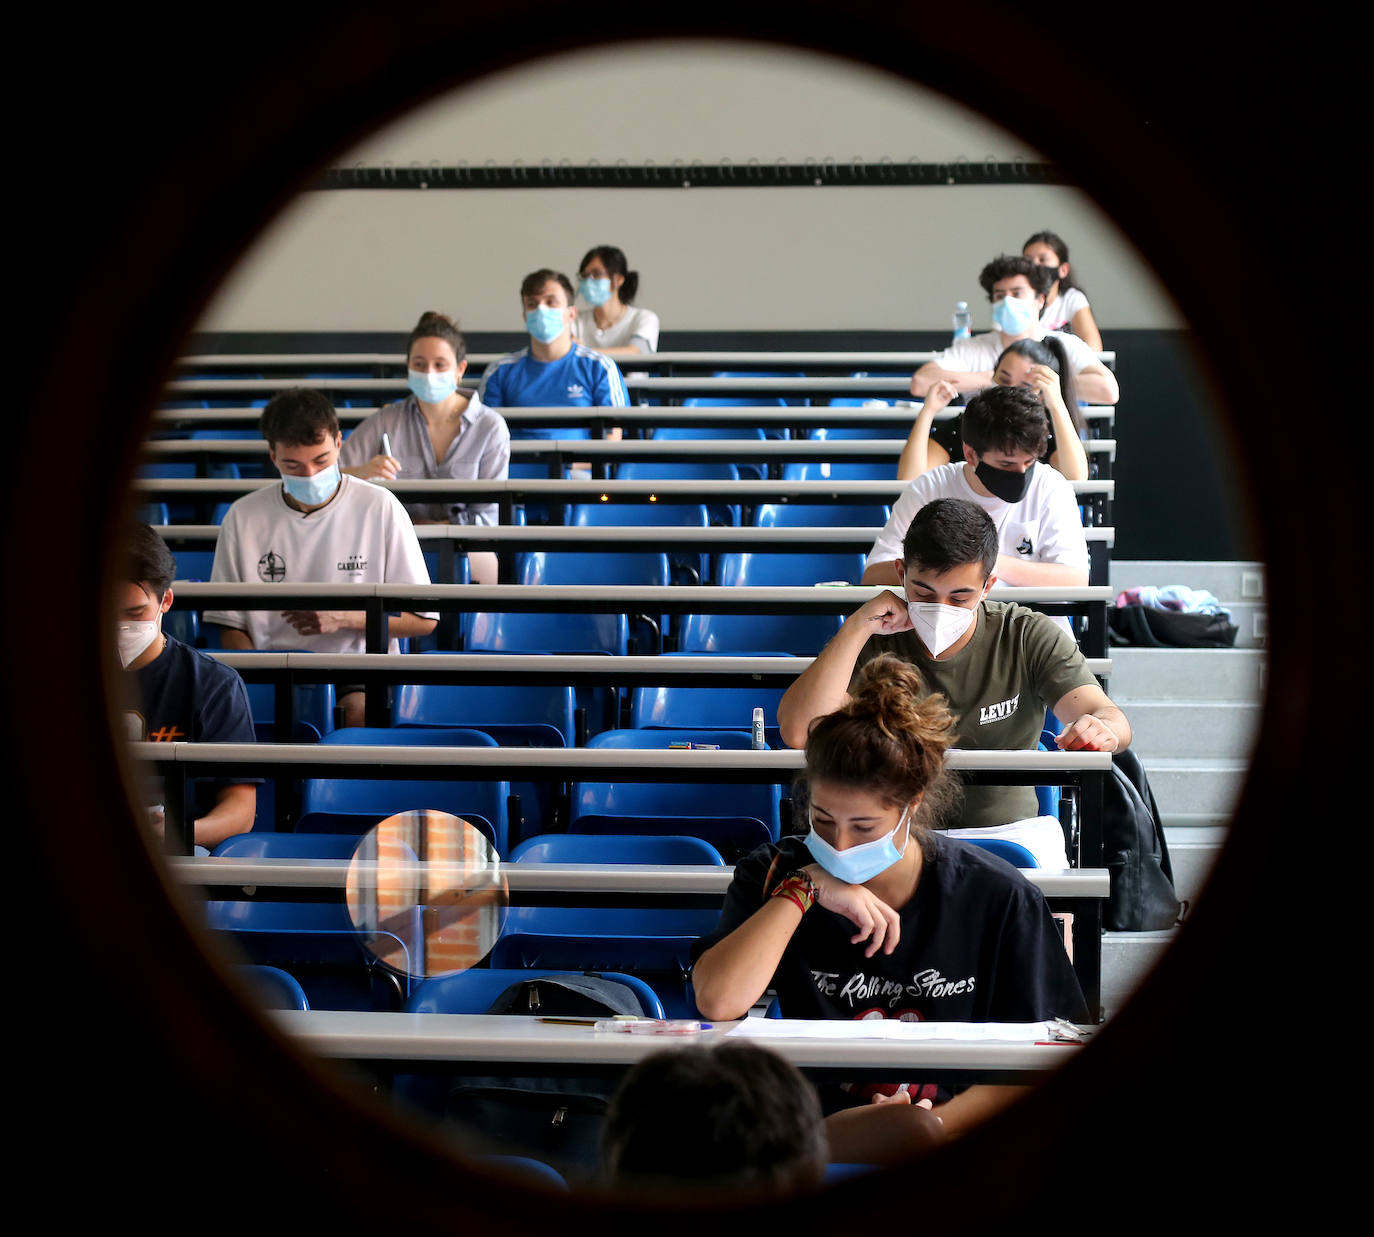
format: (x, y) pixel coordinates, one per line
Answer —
(319, 526)
(1016, 288)
(554, 370)
(441, 431)
(875, 912)
(609, 322)
(1000, 665)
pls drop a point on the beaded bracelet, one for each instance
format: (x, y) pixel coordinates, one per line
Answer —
(798, 888)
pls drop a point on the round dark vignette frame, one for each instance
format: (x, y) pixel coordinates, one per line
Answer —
(132, 1027)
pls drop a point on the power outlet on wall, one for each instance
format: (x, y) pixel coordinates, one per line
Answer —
(1259, 627)
(1251, 585)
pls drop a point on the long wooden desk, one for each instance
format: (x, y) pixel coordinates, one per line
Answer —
(517, 1043)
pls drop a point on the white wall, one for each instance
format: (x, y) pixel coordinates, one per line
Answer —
(804, 259)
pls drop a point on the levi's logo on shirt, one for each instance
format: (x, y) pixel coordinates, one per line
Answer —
(998, 712)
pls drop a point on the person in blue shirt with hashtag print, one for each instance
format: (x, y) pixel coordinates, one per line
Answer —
(555, 370)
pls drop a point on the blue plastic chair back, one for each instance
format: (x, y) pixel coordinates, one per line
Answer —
(516, 715)
(812, 515)
(630, 515)
(312, 703)
(663, 470)
(732, 836)
(677, 706)
(674, 799)
(266, 845)
(183, 625)
(548, 633)
(795, 570)
(273, 987)
(802, 635)
(1013, 852)
(194, 564)
(653, 943)
(840, 470)
(564, 567)
(615, 848)
(329, 804)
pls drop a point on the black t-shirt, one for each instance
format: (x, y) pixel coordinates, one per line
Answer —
(189, 697)
(978, 944)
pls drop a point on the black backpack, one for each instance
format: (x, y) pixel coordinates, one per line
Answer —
(557, 1120)
(1148, 627)
(1142, 897)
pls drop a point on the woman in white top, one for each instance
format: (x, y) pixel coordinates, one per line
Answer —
(1066, 304)
(440, 430)
(1039, 364)
(609, 322)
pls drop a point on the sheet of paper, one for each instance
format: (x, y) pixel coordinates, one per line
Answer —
(892, 1028)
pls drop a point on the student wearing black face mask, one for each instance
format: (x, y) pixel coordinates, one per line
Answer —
(1040, 533)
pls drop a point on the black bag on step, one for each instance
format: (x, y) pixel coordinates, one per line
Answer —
(1148, 627)
(557, 1120)
(1142, 895)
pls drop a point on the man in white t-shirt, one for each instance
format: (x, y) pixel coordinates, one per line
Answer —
(1016, 286)
(1039, 529)
(318, 527)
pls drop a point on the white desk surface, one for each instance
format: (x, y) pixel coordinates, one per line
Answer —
(567, 877)
(518, 1038)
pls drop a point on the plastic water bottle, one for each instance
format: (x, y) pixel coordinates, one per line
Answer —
(963, 320)
(758, 729)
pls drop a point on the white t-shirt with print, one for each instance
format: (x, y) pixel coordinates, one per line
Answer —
(637, 328)
(363, 536)
(1058, 314)
(1044, 527)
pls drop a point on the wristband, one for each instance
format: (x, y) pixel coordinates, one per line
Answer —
(798, 888)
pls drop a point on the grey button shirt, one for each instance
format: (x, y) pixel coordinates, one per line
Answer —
(481, 452)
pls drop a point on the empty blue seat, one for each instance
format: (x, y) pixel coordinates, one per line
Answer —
(273, 987)
(615, 848)
(662, 470)
(684, 433)
(640, 800)
(688, 568)
(547, 633)
(1013, 852)
(680, 705)
(312, 704)
(194, 564)
(353, 805)
(516, 715)
(802, 635)
(265, 845)
(645, 633)
(840, 470)
(821, 515)
(652, 943)
(748, 570)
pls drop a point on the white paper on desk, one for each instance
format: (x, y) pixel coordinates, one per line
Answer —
(892, 1028)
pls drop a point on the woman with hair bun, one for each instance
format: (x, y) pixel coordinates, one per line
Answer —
(1040, 365)
(608, 321)
(439, 431)
(876, 914)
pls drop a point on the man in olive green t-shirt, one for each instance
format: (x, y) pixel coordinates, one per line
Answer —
(999, 664)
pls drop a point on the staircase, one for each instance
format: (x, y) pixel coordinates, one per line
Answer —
(1194, 714)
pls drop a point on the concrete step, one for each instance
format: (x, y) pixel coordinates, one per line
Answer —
(1186, 674)
(1189, 786)
(1176, 728)
(1228, 582)
(1192, 852)
(1126, 959)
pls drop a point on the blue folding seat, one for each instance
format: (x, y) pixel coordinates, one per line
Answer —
(1013, 852)
(802, 635)
(841, 470)
(681, 706)
(686, 433)
(734, 818)
(831, 433)
(761, 400)
(152, 513)
(687, 568)
(662, 470)
(194, 564)
(547, 633)
(273, 987)
(474, 991)
(821, 515)
(354, 805)
(750, 570)
(620, 567)
(651, 943)
(515, 716)
(312, 706)
(615, 848)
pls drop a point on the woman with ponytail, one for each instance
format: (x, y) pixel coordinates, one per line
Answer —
(608, 321)
(440, 431)
(1039, 365)
(874, 913)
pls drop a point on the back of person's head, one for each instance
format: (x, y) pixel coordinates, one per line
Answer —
(299, 417)
(616, 263)
(733, 1115)
(148, 562)
(1061, 251)
(533, 283)
(434, 325)
(950, 532)
(890, 740)
(1041, 278)
(1050, 352)
(1005, 419)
